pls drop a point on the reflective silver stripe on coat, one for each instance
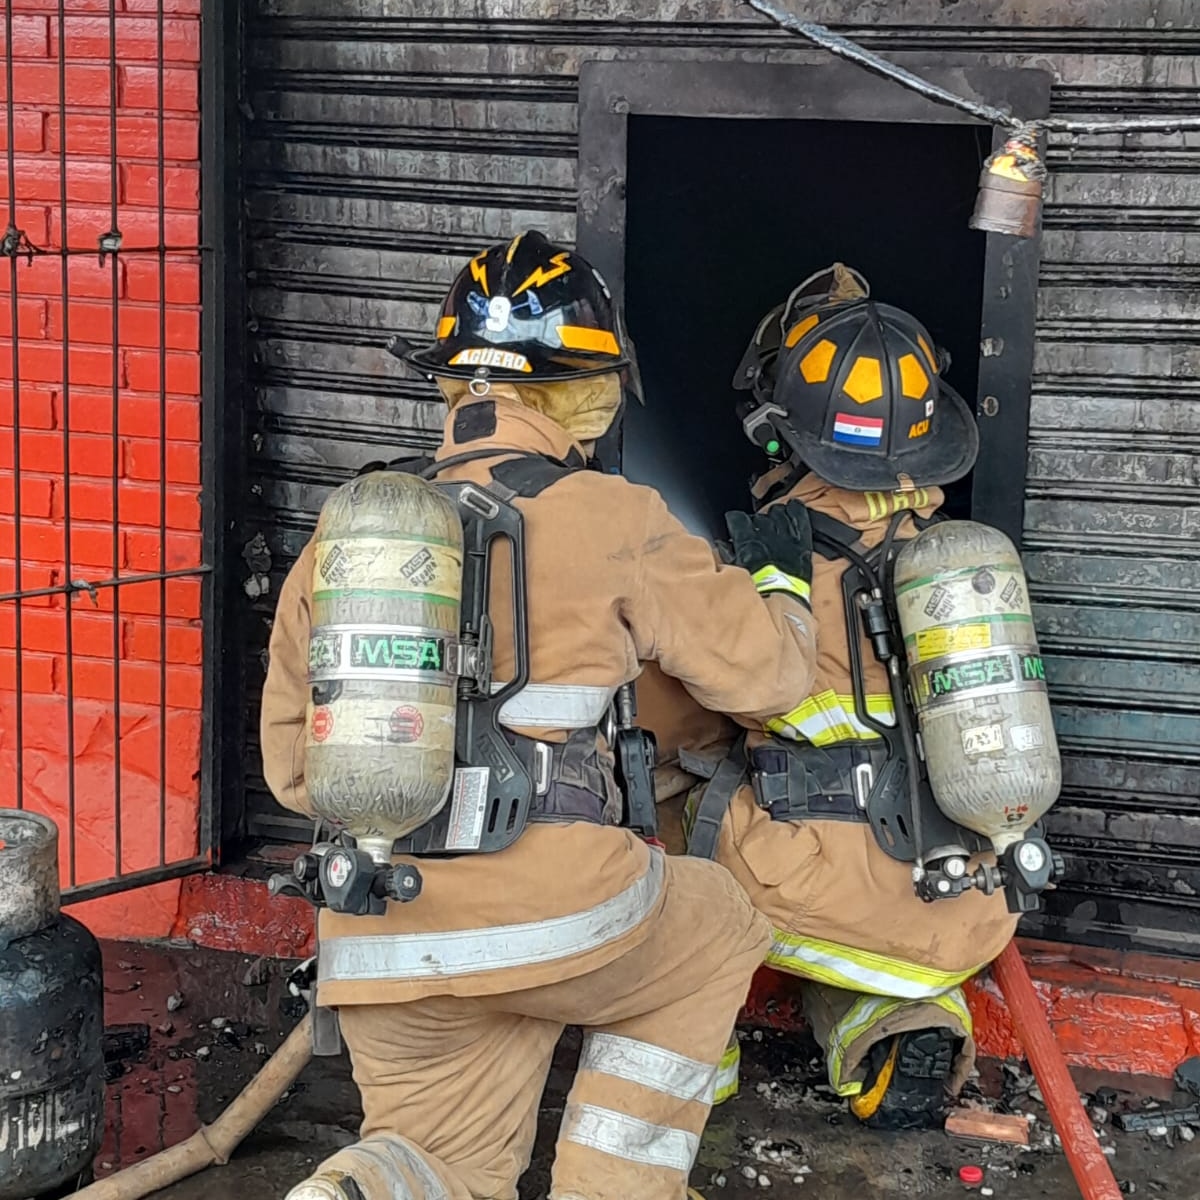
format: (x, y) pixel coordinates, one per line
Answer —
(649, 1065)
(555, 706)
(394, 1155)
(383, 956)
(630, 1138)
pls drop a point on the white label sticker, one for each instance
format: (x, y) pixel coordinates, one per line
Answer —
(983, 739)
(468, 806)
(1027, 737)
(29, 1122)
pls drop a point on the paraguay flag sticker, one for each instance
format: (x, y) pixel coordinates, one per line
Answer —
(857, 431)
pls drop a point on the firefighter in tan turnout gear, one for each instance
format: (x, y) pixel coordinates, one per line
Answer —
(848, 399)
(451, 1005)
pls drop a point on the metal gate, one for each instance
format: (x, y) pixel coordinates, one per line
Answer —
(105, 561)
(384, 149)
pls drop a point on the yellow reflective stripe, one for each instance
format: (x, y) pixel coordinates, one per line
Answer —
(772, 579)
(829, 717)
(871, 1011)
(860, 970)
(727, 1072)
(868, 1011)
(884, 504)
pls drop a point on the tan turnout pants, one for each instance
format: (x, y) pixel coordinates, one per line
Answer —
(847, 1024)
(451, 1086)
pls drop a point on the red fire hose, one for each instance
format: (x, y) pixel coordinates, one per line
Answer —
(1088, 1164)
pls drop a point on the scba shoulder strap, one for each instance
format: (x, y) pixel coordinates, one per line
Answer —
(525, 474)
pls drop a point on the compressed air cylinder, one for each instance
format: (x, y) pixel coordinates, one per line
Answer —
(386, 596)
(977, 678)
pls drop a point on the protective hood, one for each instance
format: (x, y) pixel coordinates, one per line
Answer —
(585, 407)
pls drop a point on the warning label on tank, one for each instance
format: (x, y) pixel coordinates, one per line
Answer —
(363, 722)
(984, 739)
(1027, 737)
(946, 639)
(468, 806)
(322, 724)
(974, 609)
(381, 564)
(406, 724)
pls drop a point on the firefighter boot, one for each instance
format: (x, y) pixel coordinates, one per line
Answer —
(381, 1167)
(327, 1186)
(906, 1080)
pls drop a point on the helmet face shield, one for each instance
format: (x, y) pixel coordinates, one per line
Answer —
(526, 310)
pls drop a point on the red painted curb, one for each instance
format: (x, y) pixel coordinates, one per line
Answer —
(1113, 1011)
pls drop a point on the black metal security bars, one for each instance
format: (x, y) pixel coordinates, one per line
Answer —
(104, 590)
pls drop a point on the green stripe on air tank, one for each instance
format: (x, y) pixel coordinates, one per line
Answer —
(361, 593)
(392, 536)
(961, 573)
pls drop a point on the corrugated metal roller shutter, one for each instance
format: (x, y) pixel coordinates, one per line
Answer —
(383, 149)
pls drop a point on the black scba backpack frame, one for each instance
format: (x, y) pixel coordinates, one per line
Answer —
(335, 872)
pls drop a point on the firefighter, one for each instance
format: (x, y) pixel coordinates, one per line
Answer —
(451, 1005)
(848, 394)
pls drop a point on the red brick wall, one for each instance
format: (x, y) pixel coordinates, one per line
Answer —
(67, 400)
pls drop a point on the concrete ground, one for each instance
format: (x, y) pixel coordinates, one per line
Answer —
(214, 1018)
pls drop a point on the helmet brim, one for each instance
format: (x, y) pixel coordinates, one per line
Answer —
(948, 455)
(435, 360)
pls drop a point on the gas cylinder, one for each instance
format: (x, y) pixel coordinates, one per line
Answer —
(51, 1020)
(977, 679)
(386, 600)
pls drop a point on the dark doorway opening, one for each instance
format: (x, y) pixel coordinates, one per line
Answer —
(724, 217)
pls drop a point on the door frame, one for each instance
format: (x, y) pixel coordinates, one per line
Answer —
(610, 92)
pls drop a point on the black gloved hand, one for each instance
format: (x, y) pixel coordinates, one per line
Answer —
(776, 547)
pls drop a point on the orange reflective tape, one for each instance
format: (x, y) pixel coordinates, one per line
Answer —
(865, 381)
(445, 327)
(814, 366)
(579, 337)
(798, 330)
(913, 380)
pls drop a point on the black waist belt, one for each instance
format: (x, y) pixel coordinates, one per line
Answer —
(793, 781)
(573, 781)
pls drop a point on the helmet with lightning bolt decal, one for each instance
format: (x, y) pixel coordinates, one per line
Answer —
(527, 311)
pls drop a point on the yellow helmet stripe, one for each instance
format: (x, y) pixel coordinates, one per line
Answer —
(579, 337)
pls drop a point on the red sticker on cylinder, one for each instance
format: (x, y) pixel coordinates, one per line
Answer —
(406, 724)
(322, 724)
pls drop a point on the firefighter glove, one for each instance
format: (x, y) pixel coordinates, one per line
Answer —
(776, 547)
